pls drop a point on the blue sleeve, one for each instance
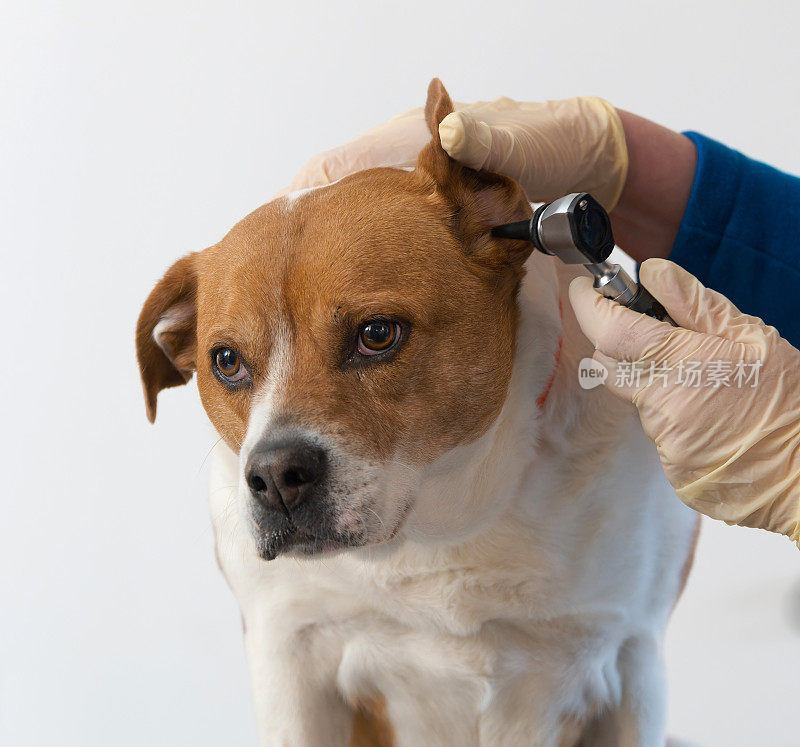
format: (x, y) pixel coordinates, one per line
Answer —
(740, 234)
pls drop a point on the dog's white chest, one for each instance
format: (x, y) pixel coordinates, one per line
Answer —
(506, 635)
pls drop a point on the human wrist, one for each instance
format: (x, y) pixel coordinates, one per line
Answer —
(661, 169)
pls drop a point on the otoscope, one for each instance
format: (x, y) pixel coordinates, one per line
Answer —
(577, 230)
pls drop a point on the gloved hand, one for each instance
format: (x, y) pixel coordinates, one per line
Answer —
(395, 143)
(730, 446)
(550, 148)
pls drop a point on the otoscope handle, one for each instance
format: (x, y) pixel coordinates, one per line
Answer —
(644, 303)
(611, 281)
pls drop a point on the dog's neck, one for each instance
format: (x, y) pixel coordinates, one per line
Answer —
(513, 503)
(547, 418)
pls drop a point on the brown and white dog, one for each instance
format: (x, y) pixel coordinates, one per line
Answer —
(436, 537)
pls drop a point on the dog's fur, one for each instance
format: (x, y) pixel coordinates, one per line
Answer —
(478, 567)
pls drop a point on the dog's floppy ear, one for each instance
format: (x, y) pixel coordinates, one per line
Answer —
(479, 200)
(166, 333)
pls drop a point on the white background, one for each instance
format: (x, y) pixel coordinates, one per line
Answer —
(134, 132)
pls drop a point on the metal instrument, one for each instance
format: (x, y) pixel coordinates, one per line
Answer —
(577, 230)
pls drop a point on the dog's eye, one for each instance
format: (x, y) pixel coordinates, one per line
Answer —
(229, 366)
(378, 336)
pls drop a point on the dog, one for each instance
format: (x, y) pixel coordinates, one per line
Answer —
(435, 535)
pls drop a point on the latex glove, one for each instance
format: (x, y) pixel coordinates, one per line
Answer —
(550, 148)
(395, 143)
(730, 451)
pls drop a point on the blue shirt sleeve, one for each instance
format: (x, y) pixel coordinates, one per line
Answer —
(740, 234)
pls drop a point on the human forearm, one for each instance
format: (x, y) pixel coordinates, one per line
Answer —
(661, 171)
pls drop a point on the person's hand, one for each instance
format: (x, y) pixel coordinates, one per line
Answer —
(719, 395)
(550, 148)
(395, 143)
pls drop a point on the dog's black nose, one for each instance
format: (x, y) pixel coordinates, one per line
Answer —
(281, 475)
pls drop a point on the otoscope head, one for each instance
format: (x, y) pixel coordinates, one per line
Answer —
(575, 228)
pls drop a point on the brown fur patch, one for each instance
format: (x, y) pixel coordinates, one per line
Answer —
(371, 726)
(572, 729)
(178, 288)
(411, 246)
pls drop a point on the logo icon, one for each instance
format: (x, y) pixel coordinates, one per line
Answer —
(591, 373)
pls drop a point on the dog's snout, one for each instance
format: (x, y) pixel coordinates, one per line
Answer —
(281, 475)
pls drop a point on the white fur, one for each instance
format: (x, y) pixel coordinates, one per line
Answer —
(531, 583)
(177, 314)
(266, 400)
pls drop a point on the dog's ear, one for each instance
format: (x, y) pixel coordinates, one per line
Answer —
(166, 333)
(479, 200)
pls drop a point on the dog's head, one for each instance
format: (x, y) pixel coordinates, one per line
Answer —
(346, 338)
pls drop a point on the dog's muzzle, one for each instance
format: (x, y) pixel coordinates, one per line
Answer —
(283, 474)
(290, 484)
